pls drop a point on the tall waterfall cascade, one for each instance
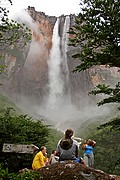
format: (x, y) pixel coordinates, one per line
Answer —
(59, 108)
(39, 78)
(58, 72)
(54, 75)
(65, 46)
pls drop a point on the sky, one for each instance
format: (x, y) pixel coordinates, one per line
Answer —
(49, 7)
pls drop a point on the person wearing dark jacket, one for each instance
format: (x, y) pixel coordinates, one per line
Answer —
(67, 148)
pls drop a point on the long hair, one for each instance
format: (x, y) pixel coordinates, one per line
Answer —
(69, 133)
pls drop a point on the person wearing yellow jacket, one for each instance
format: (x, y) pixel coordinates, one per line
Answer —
(40, 159)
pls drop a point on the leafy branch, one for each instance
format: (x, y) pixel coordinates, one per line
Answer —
(114, 93)
(12, 32)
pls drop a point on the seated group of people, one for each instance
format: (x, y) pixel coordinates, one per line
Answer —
(67, 149)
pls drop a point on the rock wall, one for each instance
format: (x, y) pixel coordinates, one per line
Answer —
(26, 76)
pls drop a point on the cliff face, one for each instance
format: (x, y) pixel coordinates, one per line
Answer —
(27, 68)
(27, 78)
(35, 67)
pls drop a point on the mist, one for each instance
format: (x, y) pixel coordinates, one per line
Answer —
(23, 16)
(68, 116)
(47, 74)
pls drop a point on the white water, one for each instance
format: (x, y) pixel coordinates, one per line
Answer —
(58, 72)
(65, 46)
(58, 108)
(55, 80)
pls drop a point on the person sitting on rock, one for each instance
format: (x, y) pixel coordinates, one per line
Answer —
(53, 158)
(40, 160)
(67, 148)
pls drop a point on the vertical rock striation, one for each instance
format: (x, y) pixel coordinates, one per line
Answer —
(25, 79)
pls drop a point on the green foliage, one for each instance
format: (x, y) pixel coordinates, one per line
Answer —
(20, 130)
(7, 103)
(107, 149)
(91, 125)
(52, 140)
(5, 175)
(97, 33)
(17, 128)
(30, 175)
(113, 124)
(24, 129)
(11, 31)
(114, 93)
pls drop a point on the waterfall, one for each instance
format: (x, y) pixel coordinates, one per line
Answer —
(59, 110)
(54, 72)
(58, 72)
(64, 46)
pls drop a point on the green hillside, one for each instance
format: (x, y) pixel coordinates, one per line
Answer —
(7, 103)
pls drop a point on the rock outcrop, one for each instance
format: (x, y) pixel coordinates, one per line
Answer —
(71, 171)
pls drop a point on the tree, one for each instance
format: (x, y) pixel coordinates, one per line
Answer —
(20, 129)
(107, 149)
(97, 33)
(113, 93)
(11, 31)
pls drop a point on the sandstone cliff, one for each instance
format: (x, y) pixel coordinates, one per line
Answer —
(26, 78)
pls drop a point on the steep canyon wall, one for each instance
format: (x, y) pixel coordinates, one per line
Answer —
(46, 88)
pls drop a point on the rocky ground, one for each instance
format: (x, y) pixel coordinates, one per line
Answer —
(70, 170)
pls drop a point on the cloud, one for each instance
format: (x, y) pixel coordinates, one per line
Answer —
(22, 16)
